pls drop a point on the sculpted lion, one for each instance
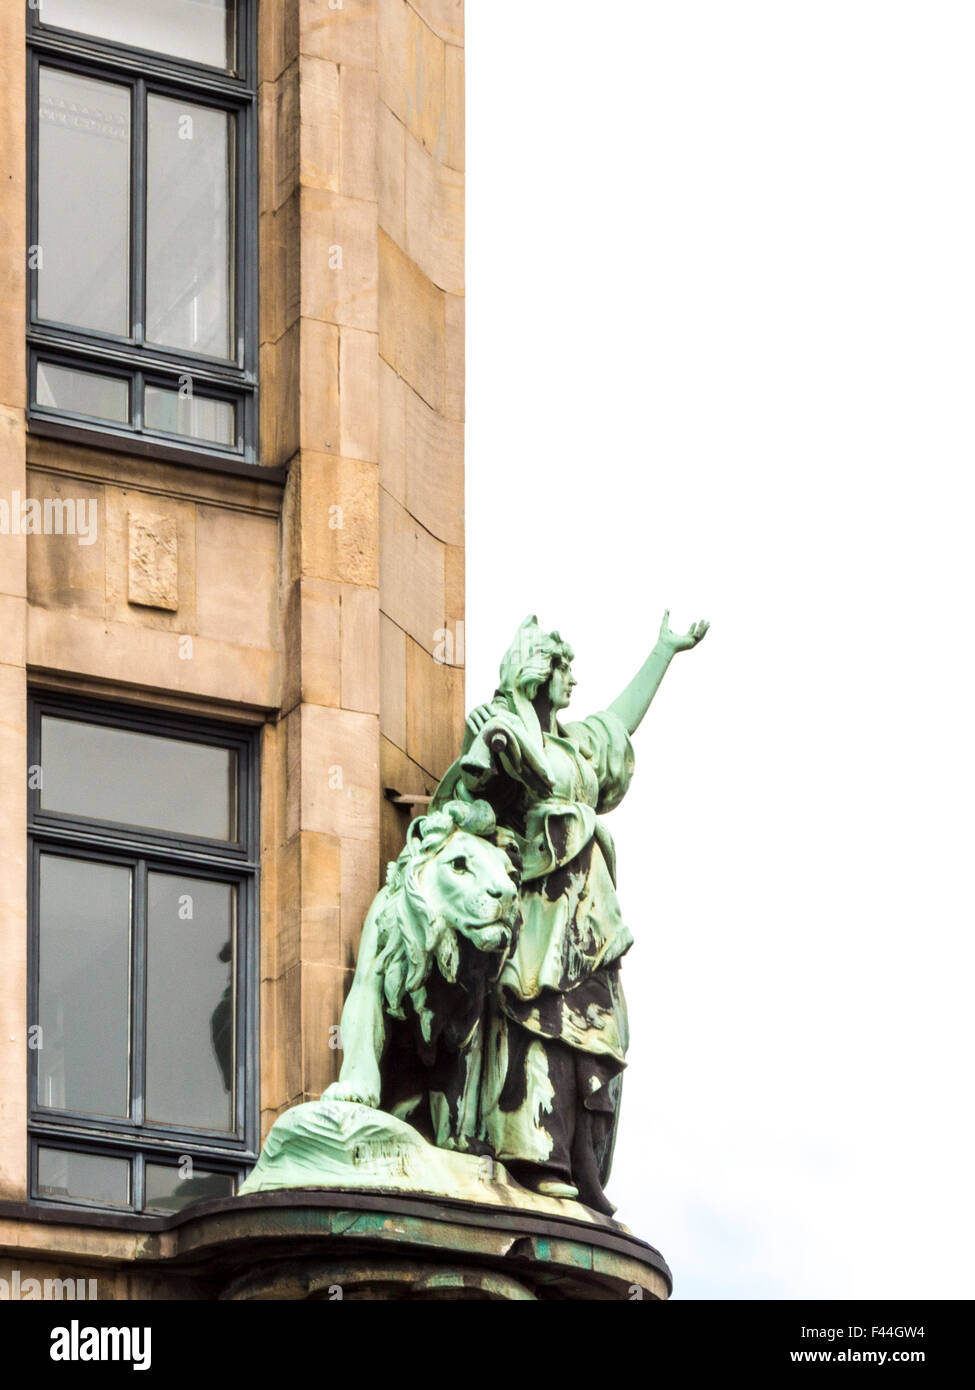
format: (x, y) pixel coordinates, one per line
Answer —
(433, 945)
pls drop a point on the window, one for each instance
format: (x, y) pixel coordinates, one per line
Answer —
(142, 314)
(143, 957)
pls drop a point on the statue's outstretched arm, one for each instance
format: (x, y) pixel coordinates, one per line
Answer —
(635, 700)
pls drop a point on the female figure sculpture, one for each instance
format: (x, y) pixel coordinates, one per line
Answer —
(557, 1036)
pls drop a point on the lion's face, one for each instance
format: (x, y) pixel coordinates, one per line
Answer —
(451, 892)
(472, 884)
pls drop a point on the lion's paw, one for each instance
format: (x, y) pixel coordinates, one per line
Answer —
(352, 1093)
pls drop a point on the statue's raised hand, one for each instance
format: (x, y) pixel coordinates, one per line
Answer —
(477, 718)
(677, 642)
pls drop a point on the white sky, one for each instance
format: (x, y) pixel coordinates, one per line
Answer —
(721, 357)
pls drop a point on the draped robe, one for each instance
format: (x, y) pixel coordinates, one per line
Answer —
(554, 1041)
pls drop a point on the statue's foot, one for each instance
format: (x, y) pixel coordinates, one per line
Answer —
(547, 1182)
(554, 1187)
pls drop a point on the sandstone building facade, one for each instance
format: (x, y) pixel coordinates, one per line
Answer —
(231, 545)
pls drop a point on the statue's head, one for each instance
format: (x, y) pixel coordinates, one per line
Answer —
(538, 665)
(451, 882)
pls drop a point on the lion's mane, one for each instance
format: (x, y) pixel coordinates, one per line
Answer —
(412, 933)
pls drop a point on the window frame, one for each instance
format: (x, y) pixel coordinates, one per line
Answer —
(145, 73)
(145, 851)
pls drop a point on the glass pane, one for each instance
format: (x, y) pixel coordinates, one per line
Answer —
(83, 1044)
(195, 416)
(138, 779)
(200, 30)
(167, 1191)
(190, 1046)
(82, 393)
(83, 202)
(87, 1177)
(189, 231)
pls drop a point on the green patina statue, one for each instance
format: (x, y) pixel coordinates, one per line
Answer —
(485, 1033)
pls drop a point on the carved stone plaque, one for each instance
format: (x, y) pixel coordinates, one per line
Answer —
(153, 561)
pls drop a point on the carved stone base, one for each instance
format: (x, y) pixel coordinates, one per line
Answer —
(341, 1145)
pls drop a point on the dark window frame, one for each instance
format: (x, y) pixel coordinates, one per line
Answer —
(147, 73)
(146, 851)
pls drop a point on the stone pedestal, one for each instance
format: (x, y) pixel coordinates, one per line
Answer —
(366, 1208)
(310, 1244)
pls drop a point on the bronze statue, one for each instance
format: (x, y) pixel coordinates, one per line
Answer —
(487, 1016)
